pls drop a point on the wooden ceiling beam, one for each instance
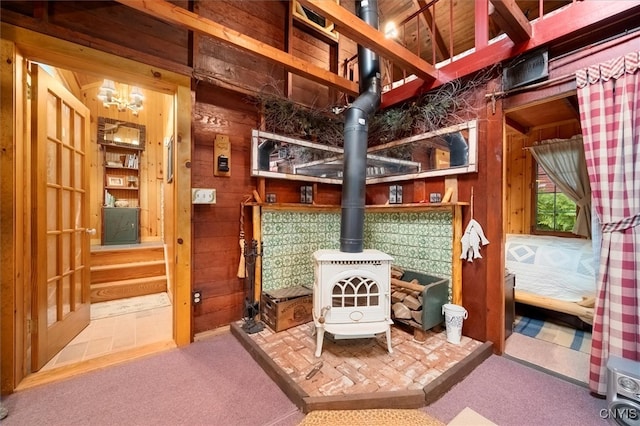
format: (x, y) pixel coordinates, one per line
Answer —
(578, 18)
(510, 18)
(431, 24)
(186, 19)
(356, 29)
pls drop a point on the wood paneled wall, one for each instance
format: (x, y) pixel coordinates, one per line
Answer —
(231, 67)
(157, 116)
(216, 228)
(265, 21)
(520, 175)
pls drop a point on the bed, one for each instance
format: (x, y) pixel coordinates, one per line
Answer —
(553, 273)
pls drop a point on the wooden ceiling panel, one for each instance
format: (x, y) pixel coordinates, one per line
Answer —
(543, 115)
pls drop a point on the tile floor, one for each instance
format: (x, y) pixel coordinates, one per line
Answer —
(558, 359)
(357, 366)
(117, 333)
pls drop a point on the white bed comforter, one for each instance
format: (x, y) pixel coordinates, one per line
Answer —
(556, 267)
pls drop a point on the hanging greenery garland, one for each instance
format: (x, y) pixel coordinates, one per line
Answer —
(451, 103)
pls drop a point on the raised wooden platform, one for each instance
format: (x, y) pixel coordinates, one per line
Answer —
(359, 373)
(118, 272)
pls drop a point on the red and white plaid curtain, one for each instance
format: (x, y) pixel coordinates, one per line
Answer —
(609, 99)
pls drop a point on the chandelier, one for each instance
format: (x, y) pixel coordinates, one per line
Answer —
(109, 96)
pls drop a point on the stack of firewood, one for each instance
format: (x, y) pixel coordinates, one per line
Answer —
(406, 297)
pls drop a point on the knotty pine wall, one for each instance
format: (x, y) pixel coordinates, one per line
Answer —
(520, 174)
(157, 117)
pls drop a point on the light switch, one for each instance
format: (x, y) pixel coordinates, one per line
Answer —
(203, 196)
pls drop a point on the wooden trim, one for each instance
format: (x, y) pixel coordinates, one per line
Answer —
(456, 262)
(290, 388)
(405, 399)
(183, 211)
(257, 235)
(68, 371)
(43, 48)
(494, 297)
(413, 207)
(13, 211)
(442, 384)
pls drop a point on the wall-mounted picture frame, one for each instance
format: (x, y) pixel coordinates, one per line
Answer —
(115, 181)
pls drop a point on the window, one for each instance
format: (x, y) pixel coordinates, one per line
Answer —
(554, 211)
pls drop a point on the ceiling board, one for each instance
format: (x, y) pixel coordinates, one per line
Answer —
(544, 114)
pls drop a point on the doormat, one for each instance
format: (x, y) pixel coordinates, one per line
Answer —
(379, 417)
(129, 305)
(571, 338)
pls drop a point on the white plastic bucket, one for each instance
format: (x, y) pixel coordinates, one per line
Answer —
(453, 318)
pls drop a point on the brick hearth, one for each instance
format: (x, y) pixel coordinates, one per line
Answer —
(360, 373)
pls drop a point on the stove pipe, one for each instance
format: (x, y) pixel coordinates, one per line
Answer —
(356, 129)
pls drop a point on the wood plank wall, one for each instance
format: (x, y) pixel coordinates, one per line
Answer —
(231, 67)
(520, 175)
(157, 116)
(316, 51)
(265, 21)
(216, 228)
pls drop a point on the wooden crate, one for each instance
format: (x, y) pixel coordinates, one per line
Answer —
(281, 313)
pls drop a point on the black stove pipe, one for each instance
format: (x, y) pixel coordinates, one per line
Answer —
(356, 129)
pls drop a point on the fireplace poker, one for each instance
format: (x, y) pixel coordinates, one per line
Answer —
(242, 268)
(251, 305)
(314, 371)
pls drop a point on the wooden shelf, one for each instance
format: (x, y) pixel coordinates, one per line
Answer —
(121, 171)
(107, 166)
(371, 207)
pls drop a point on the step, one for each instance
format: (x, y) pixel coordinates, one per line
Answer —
(107, 256)
(127, 271)
(121, 289)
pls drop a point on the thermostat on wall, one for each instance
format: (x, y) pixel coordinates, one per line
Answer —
(203, 196)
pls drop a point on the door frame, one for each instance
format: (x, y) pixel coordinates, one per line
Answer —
(18, 45)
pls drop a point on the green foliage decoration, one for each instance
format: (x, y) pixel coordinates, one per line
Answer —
(452, 103)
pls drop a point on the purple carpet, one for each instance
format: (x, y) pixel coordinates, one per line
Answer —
(509, 393)
(211, 382)
(216, 382)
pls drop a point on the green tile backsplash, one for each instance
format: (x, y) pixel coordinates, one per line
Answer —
(420, 241)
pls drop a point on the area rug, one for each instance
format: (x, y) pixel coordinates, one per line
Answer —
(577, 340)
(129, 305)
(380, 417)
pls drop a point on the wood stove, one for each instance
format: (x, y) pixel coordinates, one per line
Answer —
(351, 295)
